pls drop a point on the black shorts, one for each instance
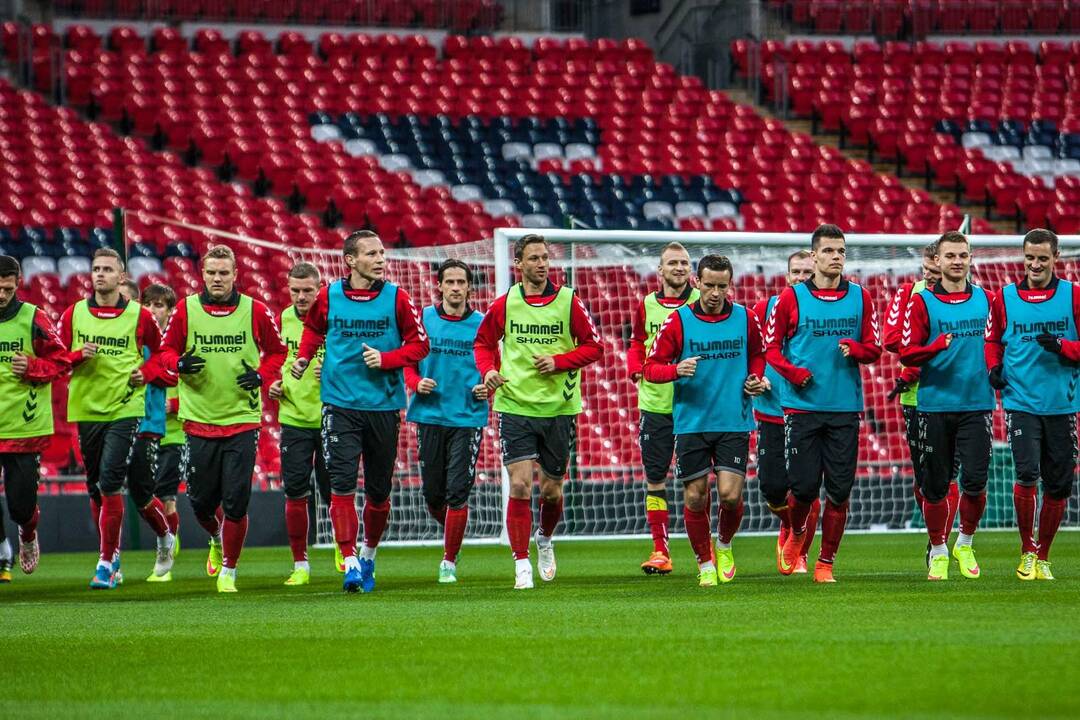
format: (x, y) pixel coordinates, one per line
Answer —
(656, 436)
(771, 468)
(167, 482)
(1043, 446)
(217, 472)
(547, 440)
(448, 462)
(349, 435)
(142, 470)
(302, 455)
(821, 448)
(106, 450)
(21, 472)
(944, 439)
(698, 454)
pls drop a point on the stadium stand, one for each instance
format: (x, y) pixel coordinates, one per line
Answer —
(997, 122)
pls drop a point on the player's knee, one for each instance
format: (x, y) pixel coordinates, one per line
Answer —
(695, 495)
(550, 492)
(1058, 491)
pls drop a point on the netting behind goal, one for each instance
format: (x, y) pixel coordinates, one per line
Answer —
(612, 271)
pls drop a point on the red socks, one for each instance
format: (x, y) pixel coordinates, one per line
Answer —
(456, 520)
(1025, 501)
(953, 498)
(519, 526)
(296, 527)
(212, 524)
(936, 516)
(729, 522)
(346, 524)
(1049, 519)
(971, 511)
(28, 529)
(550, 515)
(697, 530)
(233, 533)
(800, 511)
(833, 520)
(811, 526)
(376, 515)
(173, 520)
(659, 518)
(438, 513)
(154, 515)
(109, 524)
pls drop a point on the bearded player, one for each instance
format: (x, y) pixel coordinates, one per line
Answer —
(547, 337)
(31, 358)
(300, 415)
(655, 435)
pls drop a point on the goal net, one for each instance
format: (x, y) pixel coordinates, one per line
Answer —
(612, 271)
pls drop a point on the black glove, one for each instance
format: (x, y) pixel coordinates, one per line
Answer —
(996, 380)
(250, 378)
(189, 364)
(900, 387)
(1049, 342)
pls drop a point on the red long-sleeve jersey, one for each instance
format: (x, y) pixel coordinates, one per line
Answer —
(264, 331)
(916, 346)
(50, 362)
(784, 320)
(893, 327)
(147, 335)
(414, 345)
(661, 365)
(635, 354)
(582, 329)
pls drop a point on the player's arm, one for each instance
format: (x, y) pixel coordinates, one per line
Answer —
(315, 324)
(661, 365)
(412, 376)
(50, 359)
(175, 339)
(867, 349)
(148, 336)
(488, 336)
(779, 327)
(583, 330)
(893, 327)
(755, 344)
(994, 349)
(272, 348)
(635, 354)
(916, 347)
(1070, 349)
(74, 357)
(415, 344)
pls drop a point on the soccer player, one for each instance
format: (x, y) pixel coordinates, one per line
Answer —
(817, 335)
(300, 414)
(944, 335)
(655, 434)
(713, 352)
(106, 336)
(371, 330)
(450, 409)
(161, 301)
(907, 382)
(31, 358)
(224, 346)
(547, 338)
(142, 467)
(1032, 352)
(772, 470)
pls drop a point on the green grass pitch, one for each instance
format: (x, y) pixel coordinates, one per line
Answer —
(602, 641)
